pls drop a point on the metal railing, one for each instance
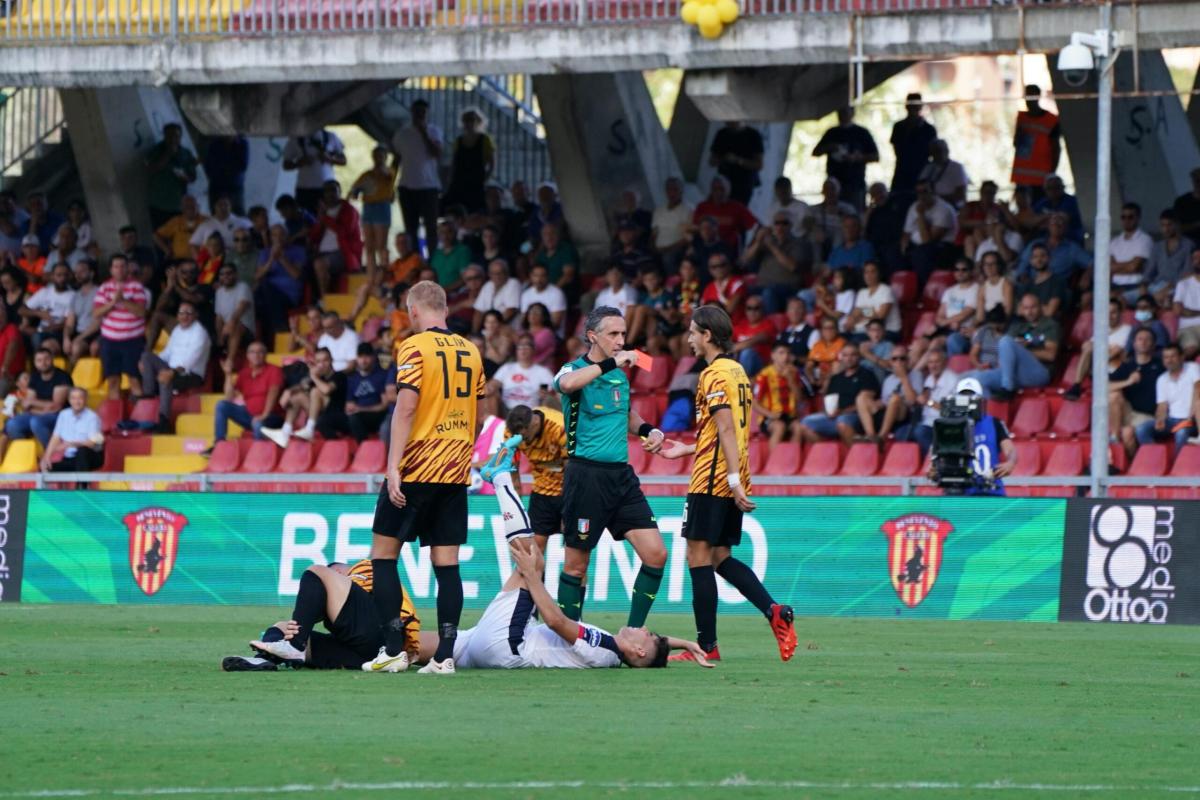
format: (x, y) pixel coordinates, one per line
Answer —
(29, 119)
(82, 21)
(200, 481)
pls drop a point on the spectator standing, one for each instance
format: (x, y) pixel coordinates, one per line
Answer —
(418, 148)
(40, 403)
(947, 176)
(733, 219)
(339, 339)
(336, 237)
(234, 307)
(1187, 209)
(171, 166)
(846, 385)
(313, 158)
(911, 138)
(1169, 260)
(522, 382)
(174, 236)
(473, 161)
(1174, 393)
(884, 225)
(450, 257)
(1187, 310)
(502, 293)
(121, 305)
(225, 163)
(753, 337)
(375, 187)
(737, 153)
(77, 436)
(670, 225)
(279, 281)
(180, 366)
(1130, 250)
(848, 148)
(80, 330)
(1057, 200)
(541, 290)
(1037, 143)
(782, 261)
(48, 309)
(251, 395)
(366, 387)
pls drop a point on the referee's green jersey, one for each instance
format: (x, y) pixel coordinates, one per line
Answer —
(597, 416)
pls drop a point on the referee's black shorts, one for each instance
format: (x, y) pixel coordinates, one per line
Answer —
(597, 495)
(545, 513)
(354, 637)
(434, 513)
(716, 520)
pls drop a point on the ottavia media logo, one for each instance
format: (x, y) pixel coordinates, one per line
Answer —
(1130, 547)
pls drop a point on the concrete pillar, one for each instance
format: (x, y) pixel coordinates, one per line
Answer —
(1154, 147)
(111, 131)
(276, 109)
(1193, 109)
(604, 137)
(265, 176)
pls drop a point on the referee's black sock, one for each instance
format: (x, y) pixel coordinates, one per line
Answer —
(309, 608)
(570, 596)
(386, 591)
(746, 582)
(704, 605)
(449, 609)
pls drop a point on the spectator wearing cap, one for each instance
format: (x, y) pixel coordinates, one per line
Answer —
(66, 248)
(1057, 200)
(225, 163)
(179, 367)
(40, 220)
(450, 257)
(174, 236)
(541, 290)
(547, 211)
(313, 157)
(732, 217)
(40, 402)
(251, 395)
(31, 261)
(1130, 252)
(1169, 259)
(121, 304)
(418, 149)
(279, 281)
(501, 293)
(671, 223)
(628, 253)
(366, 387)
(45, 314)
(336, 237)
(706, 243)
(1187, 309)
(81, 330)
(340, 339)
(233, 304)
(171, 166)
(782, 261)
(77, 436)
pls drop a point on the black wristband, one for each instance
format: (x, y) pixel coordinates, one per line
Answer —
(644, 429)
(607, 365)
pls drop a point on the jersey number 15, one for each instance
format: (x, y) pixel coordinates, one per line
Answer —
(460, 367)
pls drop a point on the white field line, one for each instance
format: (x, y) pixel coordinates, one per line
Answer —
(734, 783)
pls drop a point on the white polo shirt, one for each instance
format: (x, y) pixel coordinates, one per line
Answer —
(1124, 247)
(1187, 294)
(418, 167)
(1176, 392)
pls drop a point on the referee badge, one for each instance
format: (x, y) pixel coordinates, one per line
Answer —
(583, 527)
(616, 395)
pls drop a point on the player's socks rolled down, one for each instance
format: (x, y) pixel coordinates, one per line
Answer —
(704, 605)
(388, 595)
(309, 608)
(449, 609)
(570, 596)
(746, 582)
(516, 521)
(645, 589)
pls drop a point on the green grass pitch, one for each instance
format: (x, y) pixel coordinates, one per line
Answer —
(120, 701)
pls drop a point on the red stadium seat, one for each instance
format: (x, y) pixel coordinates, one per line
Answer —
(960, 363)
(637, 455)
(1068, 375)
(926, 323)
(1150, 461)
(333, 457)
(783, 460)
(822, 460)
(1029, 459)
(862, 461)
(934, 287)
(225, 457)
(110, 412)
(371, 457)
(1066, 460)
(656, 378)
(903, 460)
(757, 454)
(145, 410)
(1081, 331)
(1073, 419)
(1187, 465)
(1033, 417)
(904, 286)
(657, 465)
(260, 458)
(297, 459)
(646, 407)
(117, 447)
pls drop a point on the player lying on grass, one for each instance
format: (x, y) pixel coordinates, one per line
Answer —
(339, 596)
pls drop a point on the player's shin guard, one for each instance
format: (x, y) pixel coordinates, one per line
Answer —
(309, 608)
(570, 596)
(746, 582)
(516, 521)
(645, 589)
(388, 595)
(449, 609)
(704, 606)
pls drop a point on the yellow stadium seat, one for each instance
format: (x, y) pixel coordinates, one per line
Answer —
(200, 426)
(208, 402)
(343, 304)
(282, 340)
(161, 344)
(60, 362)
(276, 358)
(96, 397)
(355, 281)
(22, 456)
(113, 486)
(167, 445)
(167, 465)
(87, 373)
(373, 308)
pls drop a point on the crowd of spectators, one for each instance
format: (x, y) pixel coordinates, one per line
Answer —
(832, 350)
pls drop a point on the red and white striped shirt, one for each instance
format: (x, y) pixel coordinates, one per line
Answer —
(118, 324)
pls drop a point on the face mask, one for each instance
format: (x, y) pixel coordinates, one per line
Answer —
(1143, 315)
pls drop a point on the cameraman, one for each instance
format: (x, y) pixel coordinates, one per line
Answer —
(991, 442)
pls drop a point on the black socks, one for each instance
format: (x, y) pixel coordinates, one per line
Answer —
(388, 595)
(449, 609)
(746, 582)
(309, 609)
(704, 606)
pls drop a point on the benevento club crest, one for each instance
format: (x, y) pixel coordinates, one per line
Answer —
(915, 554)
(153, 545)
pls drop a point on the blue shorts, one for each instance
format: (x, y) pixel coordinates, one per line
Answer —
(825, 426)
(377, 214)
(121, 357)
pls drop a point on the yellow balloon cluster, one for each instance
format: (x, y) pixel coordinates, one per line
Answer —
(709, 16)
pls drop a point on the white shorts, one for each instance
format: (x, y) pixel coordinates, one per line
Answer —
(486, 645)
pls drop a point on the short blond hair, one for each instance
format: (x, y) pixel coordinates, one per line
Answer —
(428, 295)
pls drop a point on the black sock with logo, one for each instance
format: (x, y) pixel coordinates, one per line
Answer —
(746, 582)
(704, 605)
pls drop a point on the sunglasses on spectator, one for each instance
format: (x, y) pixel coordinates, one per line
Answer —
(754, 307)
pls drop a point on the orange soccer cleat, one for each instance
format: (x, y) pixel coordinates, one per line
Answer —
(685, 655)
(784, 630)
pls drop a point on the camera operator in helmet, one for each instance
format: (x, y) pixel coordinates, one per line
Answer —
(994, 455)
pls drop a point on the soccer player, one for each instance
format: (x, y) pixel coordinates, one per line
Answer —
(544, 443)
(339, 596)
(600, 489)
(719, 492)
(439, 388)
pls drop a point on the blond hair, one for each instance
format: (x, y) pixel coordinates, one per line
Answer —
(429, 296)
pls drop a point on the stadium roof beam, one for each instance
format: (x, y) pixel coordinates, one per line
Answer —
(753, 42)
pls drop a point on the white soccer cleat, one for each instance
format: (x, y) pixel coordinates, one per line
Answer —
(438, 667)
(276, 435)
(385, 663)
(281, 650)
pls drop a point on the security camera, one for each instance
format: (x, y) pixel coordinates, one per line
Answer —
(1075, 62)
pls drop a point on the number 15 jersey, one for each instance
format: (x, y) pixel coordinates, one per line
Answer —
(446, 372)
(723, 384)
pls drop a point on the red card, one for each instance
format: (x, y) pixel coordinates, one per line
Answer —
(644, 361)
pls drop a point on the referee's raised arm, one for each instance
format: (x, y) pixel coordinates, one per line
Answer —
(573, 381)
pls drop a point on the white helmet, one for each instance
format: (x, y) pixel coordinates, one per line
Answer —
(969, 385)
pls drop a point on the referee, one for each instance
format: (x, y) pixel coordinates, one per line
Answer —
(600, 489)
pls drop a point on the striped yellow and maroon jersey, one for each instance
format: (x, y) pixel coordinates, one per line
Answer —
(723, 384)
(362, 575)
(547, 453)
(446, 372)
(774, 393)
